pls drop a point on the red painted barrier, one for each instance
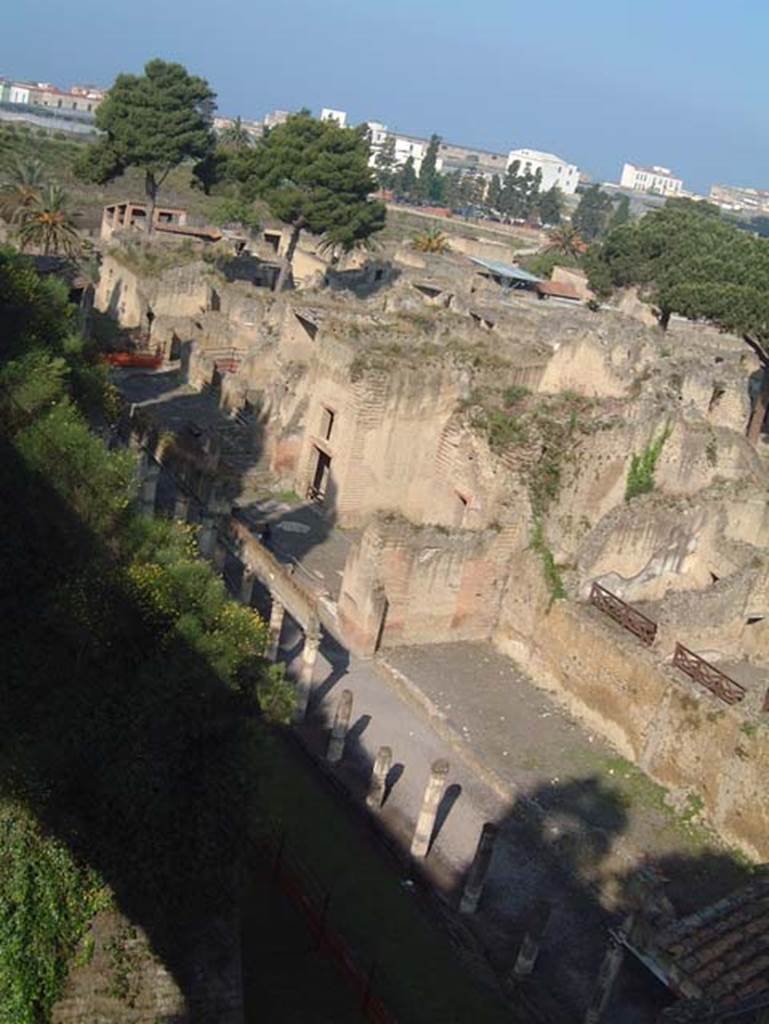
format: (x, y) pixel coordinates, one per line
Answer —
(141, 360)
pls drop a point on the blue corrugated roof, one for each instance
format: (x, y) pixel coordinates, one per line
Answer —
(507, 270)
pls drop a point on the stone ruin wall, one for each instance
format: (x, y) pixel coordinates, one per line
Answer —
(661, 721)
(399, 445)
(405, 584)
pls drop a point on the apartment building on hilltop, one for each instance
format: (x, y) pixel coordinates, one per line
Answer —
(554, 169)
(659, 180)
(738, 198)
(81, 100)
(329, 114)
(451, 157)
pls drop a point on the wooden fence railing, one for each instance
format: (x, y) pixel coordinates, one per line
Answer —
(628, 617)
(701, 671)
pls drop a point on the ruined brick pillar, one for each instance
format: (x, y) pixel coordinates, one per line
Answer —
(304, 682)
(476, 876)
(379, 773)
(340, 727)
(532, 940)
(181, 506)
(420, 844)
(277, 614)
(607, 976)
(247, 581)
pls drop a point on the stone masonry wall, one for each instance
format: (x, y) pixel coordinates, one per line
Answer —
(668, 726)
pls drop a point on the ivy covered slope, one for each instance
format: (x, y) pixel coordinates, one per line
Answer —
(134, 693)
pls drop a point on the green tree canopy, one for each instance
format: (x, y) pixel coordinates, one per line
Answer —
(494, 192)
(314, 175)
(550, 206)
(520, 192)
(384, 162)
(48, 224)
(593, 213)
(235, 136)
(430, 182)
(685, 260)
(154, 122)
(405, 180)
(621, 213)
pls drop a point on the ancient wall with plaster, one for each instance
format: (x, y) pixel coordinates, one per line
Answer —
(667, 725)
(405, 584)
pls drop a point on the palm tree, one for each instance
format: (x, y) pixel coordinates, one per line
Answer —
(565, 241)
(235, 136)
(432, 240)
(48, 224)
(20, 187)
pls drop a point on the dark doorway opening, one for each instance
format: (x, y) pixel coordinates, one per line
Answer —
(320, 477)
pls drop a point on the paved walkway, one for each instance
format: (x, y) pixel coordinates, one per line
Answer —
(509, 750)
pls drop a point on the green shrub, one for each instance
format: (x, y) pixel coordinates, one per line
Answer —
(514, 394)
(640, 477)
(46, 902)
(550, 570)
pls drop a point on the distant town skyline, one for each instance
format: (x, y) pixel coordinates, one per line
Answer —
(661, 85)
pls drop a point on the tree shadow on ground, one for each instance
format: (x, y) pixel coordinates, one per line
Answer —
(558, 843)
(127, 748)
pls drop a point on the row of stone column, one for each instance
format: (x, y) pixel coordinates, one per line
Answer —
(210, 547)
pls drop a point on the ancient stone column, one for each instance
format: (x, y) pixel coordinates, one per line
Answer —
(276, 627)
(247, 581)
(340, 727)
(476, 876)
(607, 976)
(304, 682)
(420, 844)
(149, 488)
(220, 556)
(207, 535)
(181, 507)
(532, 940)
(382, 764)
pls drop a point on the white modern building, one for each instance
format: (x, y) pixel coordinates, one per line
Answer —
(651, 179)
(340, 116)
(19, 92)
(739, 198)
(555, 170)
(405, 145)
(276, 117)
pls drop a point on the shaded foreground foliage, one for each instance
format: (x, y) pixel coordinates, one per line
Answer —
(133, 734)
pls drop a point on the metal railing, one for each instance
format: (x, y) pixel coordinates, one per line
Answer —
(303, 887)
(628, 617)
(707, 675)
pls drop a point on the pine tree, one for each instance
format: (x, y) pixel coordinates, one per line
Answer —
(621, 213)
(405, 183)
(591, 218)
(154, 122)
(315, 175)
(550, 206)
(385, 163)
(429, 185)
(494, 193)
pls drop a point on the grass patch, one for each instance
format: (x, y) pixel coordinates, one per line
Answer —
(154, 259)
(502, 429)
(422, 980)
(287, 497)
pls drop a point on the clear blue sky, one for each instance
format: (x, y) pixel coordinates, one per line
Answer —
(681, 83)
